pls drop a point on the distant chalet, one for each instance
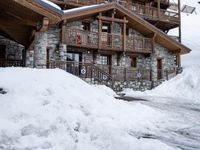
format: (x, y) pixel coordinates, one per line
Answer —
(117, 43)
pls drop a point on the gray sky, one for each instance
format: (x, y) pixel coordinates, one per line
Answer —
(191, 33)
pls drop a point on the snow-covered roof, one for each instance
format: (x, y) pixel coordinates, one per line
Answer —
(52, 4)
(80, 8)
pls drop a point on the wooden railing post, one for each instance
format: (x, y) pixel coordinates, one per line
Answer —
(124, 35)
(167, 73)
(100, 31)
(158, 2)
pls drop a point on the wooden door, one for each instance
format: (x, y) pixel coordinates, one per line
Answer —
(2, 52)
(159, 69)
(106, 37)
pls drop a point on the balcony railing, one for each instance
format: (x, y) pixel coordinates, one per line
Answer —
(11, 63)
(138, 44)
(153, 13)
(113, 41)
(81, 38)
(83, 70)
(101, 74)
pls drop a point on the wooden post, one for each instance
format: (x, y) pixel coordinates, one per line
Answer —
(153, 42)
(179, 15)
(124, 34)
(100, 31)
(45, 24)
(111, 30)
(178, 59)
(63, 30)
(167, 75)
(158, 8)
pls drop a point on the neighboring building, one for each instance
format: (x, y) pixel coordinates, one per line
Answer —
(118, 43)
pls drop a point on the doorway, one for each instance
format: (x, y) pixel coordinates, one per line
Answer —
(74, 65)
(105, 37)
(159, 69)
(2, 52)
(106, 62)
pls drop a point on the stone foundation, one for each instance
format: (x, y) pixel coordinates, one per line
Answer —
(118, 86)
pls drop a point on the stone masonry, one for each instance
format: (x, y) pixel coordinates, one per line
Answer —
(14, 51)
(36, 55)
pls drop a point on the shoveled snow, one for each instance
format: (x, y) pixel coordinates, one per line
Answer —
(184, 87)
(51, 109)
(52, 4)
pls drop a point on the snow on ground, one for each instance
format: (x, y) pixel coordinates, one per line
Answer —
(179, 98)
(51, 109)
(184, 87)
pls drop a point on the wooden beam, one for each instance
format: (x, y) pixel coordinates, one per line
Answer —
(53, 16)
(112, 19)
(100, 31)
(63, 30)
(179, 15)
(124, 35)
(178, 60)
(45, 24)
(158, 5)
(151, 35)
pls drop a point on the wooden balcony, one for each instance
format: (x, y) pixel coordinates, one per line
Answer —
(108, 41)
(153, 13)
(139, 44)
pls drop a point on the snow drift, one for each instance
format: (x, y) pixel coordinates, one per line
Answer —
(51, 109)
(184, 87)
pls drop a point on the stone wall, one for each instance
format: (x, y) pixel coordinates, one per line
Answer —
(58, 51)
(168, 60)
(13, 50)
(53, 38)
(50, 41)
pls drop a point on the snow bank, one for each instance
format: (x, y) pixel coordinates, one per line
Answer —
(51, 109)
(185, 86)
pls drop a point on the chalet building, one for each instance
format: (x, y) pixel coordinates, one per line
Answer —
(117, 43)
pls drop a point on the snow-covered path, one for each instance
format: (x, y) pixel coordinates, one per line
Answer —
(182, 126)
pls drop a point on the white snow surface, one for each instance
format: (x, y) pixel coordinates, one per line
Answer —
(184, 87)
(80, 8)
(51, 109)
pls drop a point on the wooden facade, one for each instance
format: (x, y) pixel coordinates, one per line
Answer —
(109, 40)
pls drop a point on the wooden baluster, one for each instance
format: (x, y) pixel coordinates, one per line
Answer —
(100, 31)
(158, 5)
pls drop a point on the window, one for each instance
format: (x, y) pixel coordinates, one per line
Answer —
(104, 60)
(76, 57)
(104, 35)
(134, 62)
(86, 26)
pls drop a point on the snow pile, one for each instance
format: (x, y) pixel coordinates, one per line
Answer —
(185, 86)
(51, 109)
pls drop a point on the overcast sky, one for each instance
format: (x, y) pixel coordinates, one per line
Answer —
(191, 33)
